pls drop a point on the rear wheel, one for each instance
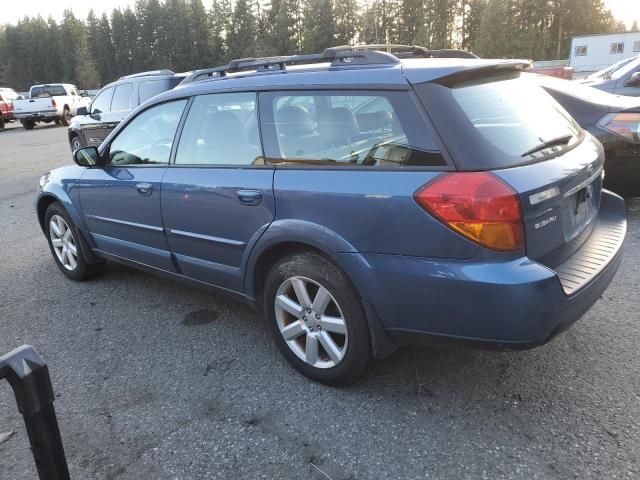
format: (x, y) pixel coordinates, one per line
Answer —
(1, 123)
(28, 124)
(66, 117)
(316, 318)
(66, 245)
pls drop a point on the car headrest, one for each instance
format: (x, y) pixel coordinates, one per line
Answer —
(223, 129)
(338, 124)
(294, 120)
(374, 120)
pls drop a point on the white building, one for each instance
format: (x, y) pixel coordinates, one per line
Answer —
(595, 52)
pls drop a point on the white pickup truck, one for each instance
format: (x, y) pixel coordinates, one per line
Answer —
(55, 102)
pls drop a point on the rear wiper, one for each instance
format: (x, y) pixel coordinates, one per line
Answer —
(563, 140)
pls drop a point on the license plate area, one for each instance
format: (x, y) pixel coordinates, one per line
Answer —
(580, 209)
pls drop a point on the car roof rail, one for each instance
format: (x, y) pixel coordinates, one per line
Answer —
(376, 54)
(336, 56)
(164, 71)
(408, 51)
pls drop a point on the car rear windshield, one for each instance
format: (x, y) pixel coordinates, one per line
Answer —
(48, 91)
(500, 122)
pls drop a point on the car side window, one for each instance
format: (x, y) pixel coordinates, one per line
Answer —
(148, 138)
(221, 129)
(102, 101)
(351, 128)
(122, 97)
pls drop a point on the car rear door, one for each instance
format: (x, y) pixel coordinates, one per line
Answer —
(121, 202)
(217, 196)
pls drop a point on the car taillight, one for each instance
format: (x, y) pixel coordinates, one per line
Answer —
(478, 205)
(625, 124)
(53, 103)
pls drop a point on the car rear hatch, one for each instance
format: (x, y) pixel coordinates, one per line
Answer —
(495, 120)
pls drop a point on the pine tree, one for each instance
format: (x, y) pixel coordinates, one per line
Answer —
(200, 34)
(280, 23)
(346, 21)
(221, 13)
(241, 40)
(318, 25)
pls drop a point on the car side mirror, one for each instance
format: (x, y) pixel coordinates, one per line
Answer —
(81, 111)
(88, 157)
(633, 81)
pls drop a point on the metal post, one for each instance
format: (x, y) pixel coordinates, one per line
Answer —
(28, 375)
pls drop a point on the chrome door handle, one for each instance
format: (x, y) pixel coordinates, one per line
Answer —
(249, 197)
(145, 189)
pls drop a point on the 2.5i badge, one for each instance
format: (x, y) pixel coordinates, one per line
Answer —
(545, 222)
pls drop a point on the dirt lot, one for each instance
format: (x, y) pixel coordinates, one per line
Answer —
(159, 381)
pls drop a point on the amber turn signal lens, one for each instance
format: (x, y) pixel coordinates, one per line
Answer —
(477, 205)
(624, 124)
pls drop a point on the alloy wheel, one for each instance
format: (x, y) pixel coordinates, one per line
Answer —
(63, 243)
(311, 322)
(75, 144)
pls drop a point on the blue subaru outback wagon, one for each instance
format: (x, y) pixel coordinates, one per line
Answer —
(362, 198)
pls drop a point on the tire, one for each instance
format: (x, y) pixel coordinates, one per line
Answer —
(59, 228)
(2, 124)
(340, 318)
(66, 117)
(76, 143)
(57, 121)
(28, 124)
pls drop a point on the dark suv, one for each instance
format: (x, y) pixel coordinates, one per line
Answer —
(361, 199)
(113, 103)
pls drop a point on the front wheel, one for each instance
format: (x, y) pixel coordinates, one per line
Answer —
(66, 117)
(28, 124)
(76, 143)
(66, 245)
(1, 123)
(316, 318)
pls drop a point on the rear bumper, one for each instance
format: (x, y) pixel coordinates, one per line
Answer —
(514, 304)
(36, 116)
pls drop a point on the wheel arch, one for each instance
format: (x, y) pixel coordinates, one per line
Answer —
(281, 242)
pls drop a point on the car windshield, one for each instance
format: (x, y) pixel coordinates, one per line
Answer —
(48, 91)
(629, 67)
(606, 72)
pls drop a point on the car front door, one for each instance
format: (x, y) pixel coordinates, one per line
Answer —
(217, 196)
(121, 201)
(94, 130)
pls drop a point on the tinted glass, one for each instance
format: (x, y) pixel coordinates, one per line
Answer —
(354, 128)
(48, 91)
(633, 66)
(151, 88)
(122, 98)
(102, 101)
(221, 129)
(147, 139)
(516, 115)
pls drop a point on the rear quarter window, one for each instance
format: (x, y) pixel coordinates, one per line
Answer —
(494, 122)
(372, 129)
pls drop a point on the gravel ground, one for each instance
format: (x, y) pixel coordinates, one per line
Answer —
(158, 381)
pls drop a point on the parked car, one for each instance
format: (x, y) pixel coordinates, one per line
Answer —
(614, 120)
(7, 96)
(114, 102)
(56, 102)
(625, 80)
(467, 206)
(605, 73)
